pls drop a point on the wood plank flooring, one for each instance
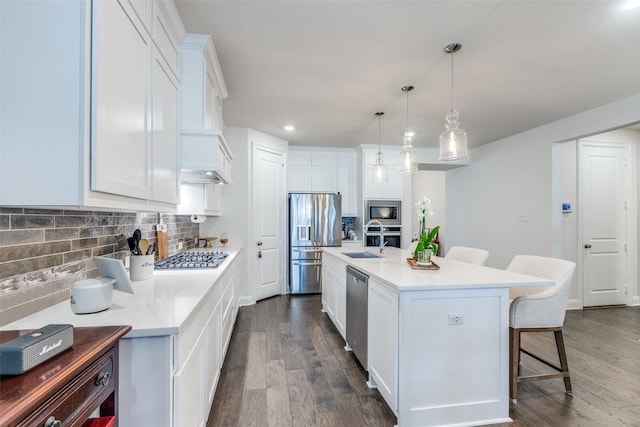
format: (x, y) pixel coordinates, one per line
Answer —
(286, 366)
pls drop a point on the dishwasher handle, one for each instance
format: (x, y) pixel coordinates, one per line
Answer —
(359, 275)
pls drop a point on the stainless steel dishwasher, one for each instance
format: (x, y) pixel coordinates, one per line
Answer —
(357, 311)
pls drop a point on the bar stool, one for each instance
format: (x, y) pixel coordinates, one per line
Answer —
(539, 309)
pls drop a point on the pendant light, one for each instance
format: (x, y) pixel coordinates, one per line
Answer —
(453, 141)
(379, 174)
(407, 162)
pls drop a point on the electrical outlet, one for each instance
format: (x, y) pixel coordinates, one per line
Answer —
(127, 261)
(456, 318)
(180, 245)
(195, 241)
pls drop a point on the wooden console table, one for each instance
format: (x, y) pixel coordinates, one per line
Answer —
(68, 388)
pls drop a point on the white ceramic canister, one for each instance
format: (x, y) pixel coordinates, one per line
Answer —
(141, 267)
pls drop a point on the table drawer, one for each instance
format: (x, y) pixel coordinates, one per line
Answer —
(72, 404)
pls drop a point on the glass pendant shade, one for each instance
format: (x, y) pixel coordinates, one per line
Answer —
(379, 174)
(407, 162)
(453, 141)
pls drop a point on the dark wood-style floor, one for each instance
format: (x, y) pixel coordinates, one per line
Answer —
(286, 366)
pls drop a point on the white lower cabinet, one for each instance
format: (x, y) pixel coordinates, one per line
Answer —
(190, 387)
(383, 341)
(170, 380)
(334, 292)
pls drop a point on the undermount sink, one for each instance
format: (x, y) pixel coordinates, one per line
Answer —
(360, 255)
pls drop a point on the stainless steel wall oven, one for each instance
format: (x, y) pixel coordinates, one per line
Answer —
(389, 213)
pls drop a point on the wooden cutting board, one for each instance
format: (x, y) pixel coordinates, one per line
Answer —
(163, 241)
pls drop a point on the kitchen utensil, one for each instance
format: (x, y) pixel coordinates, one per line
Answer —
(137, 235)
(132, 245)
(144, 245)
(152, 249)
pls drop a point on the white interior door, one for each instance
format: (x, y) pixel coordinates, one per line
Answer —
(604, 181)
(268, 221)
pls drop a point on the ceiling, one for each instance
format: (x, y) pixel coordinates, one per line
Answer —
(328, 66)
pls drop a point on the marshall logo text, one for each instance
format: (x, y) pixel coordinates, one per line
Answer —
(48, 348)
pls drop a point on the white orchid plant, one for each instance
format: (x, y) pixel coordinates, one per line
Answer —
(426, 240)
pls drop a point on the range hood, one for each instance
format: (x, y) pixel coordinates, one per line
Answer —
(205, 157)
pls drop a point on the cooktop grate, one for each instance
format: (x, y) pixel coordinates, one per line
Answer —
(191, 260)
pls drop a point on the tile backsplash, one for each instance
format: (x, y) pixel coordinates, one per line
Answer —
(44, 251)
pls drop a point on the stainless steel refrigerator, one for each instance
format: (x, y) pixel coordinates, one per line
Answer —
(315, 221)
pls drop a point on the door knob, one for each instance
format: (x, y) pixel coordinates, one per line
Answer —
(259, 243)
(587, 245)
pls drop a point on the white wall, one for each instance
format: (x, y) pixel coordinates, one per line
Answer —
(236, 200)
(432, 185)
(510, 180)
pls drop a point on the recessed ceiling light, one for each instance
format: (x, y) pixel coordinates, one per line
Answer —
(289, 128)
(632, 4)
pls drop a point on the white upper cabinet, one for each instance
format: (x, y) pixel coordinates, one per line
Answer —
(386, 190)
(121, 101)
(324, 170)
(206, 157)
(92, 112)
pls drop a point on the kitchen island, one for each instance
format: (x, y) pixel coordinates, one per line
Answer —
(437, 339)
(170, 360)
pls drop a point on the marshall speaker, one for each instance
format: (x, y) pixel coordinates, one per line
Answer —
(28, 351)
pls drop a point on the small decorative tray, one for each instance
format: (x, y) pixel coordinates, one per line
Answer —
(414, 264)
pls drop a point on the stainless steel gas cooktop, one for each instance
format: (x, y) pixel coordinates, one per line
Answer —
(191, 260)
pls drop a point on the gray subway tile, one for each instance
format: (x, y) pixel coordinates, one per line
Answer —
(20, 237)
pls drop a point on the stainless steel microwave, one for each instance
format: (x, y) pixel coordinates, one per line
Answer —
(388, 212)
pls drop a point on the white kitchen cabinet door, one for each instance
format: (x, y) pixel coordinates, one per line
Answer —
(334, 292)
(340, 277)
(323, 179)
(385, 190)
(210, 103)
(383, 341)
(346, 186)
(190, 388)
(213, 199)
(213, 352)
(200, 199)
(120, 160)
(164, 136)
(298, 179)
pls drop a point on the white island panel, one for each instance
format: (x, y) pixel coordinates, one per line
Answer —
(449, 371)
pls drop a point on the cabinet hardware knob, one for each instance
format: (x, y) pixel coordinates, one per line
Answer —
(103, 378)
(259, 243)
(52, 422)
(587, 245)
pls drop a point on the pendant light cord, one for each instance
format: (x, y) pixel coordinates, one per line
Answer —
(379, 150)
(452, 53)
(406, 132)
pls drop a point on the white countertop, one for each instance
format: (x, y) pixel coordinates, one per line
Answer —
(160, 306)
(393, 270)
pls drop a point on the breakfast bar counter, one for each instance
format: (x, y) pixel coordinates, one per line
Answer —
(437, 339)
